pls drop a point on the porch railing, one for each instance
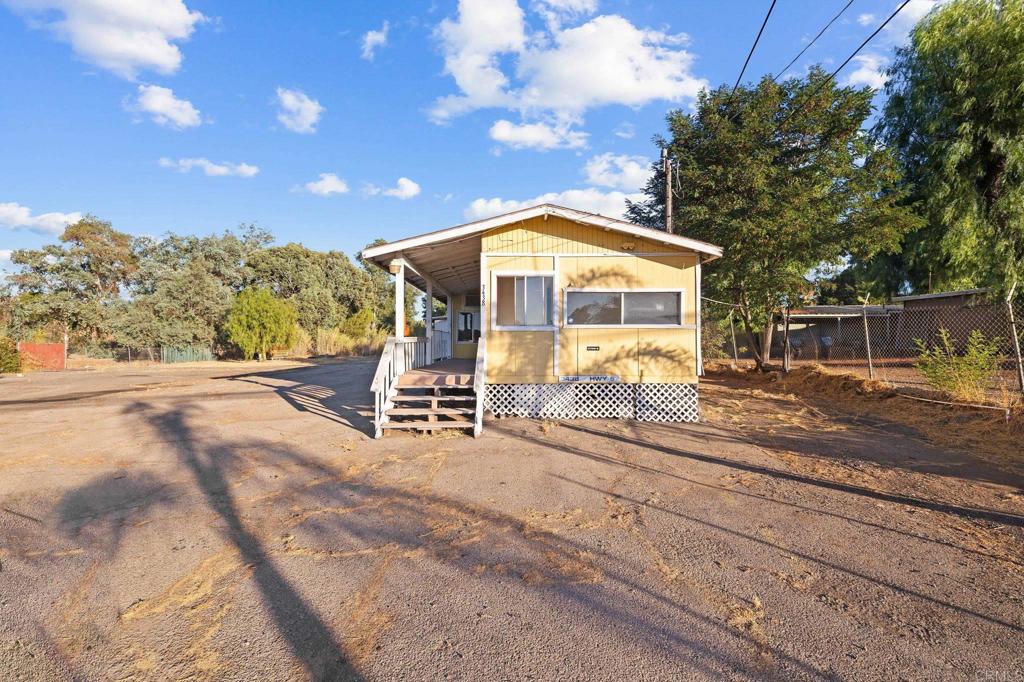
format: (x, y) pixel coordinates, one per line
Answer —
(397, 357)
(442, 345)
(479, 381)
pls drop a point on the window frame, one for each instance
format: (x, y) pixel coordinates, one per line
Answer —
(471, 312)
(493, 301)
(622, 307)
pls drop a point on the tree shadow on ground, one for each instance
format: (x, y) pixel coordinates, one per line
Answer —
(340, 515)
(310, 640)
(338, 392)
(100, 510)
(980, 513)
(600, 457)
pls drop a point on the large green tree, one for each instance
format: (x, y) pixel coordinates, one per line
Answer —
(955, 118)
(73, 284)
(785, 178)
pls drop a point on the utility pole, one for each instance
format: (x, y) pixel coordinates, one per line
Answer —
(667, 166)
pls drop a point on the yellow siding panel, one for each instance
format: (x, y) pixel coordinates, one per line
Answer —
(607, 351)
(534, 353)
(558, 235)
(531, 263)
(605, 272)
(668, 353)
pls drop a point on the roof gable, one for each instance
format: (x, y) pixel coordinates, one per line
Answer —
(480, 226)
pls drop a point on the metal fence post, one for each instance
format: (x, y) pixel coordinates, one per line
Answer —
(735, 353)
(785, 344)
(1016, 340)
(867, 342)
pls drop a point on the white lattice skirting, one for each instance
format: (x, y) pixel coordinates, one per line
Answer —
(644, 402)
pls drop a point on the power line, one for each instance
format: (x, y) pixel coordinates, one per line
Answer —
(832, 75)
(808, 46)
(752, 47)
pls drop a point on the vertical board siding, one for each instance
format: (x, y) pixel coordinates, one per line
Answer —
(558, 235)
(635, 355)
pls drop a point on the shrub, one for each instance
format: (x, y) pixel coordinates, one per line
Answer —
(962, 376)
(359, 325)
(258, 322)
(10, 359)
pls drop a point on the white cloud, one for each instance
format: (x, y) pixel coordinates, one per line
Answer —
(612, 204)
(865, 19)
(404, 189)
(165, 109)
(627, 131)
(328, 184)
(898, 30)
(541, 136)
(555, 12)
(619, 171)
(14, 216)
(243, 170)
(299, 112)
(122, 36)
(374, 39)
(871, 72)
(560, 73)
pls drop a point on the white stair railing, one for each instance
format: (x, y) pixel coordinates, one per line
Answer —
(479, 381)
(398, 356)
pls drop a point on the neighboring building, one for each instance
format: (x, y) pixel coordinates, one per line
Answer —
(944, 299)
(557, 313)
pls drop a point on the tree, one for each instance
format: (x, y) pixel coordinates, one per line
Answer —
(955, 118)
(325, 287)
(185, 308)
(73, 283)
(258, 322)
(783, 176)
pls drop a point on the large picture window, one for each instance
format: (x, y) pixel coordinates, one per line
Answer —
(524, 301)
(624, 308)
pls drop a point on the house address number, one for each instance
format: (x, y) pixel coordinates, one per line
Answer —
(590, 378)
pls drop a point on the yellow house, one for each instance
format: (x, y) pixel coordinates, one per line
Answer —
(551, 313)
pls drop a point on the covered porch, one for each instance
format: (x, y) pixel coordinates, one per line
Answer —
(445, 363)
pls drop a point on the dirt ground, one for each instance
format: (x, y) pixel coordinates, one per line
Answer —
(235, 522)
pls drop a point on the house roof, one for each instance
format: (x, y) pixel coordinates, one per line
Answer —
(941, 294)
(841, 310)
(480, 226)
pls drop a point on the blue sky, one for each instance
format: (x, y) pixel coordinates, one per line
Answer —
(334, 123)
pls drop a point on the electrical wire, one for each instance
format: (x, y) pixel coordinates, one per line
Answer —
(752, 48)
(814, 40)
(832, 75)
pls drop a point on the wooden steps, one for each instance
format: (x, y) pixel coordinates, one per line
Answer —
(429, 407)
(419, 411)
(427, 426)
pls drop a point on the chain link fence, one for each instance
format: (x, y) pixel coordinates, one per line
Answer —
(962, 352)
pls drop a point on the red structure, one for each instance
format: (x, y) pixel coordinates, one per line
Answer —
(42, 355)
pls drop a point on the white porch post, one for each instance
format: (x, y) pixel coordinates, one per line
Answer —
(428, 318)
(450, 312)
(397, 268)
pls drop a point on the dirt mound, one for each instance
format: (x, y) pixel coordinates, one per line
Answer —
(994, 434)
